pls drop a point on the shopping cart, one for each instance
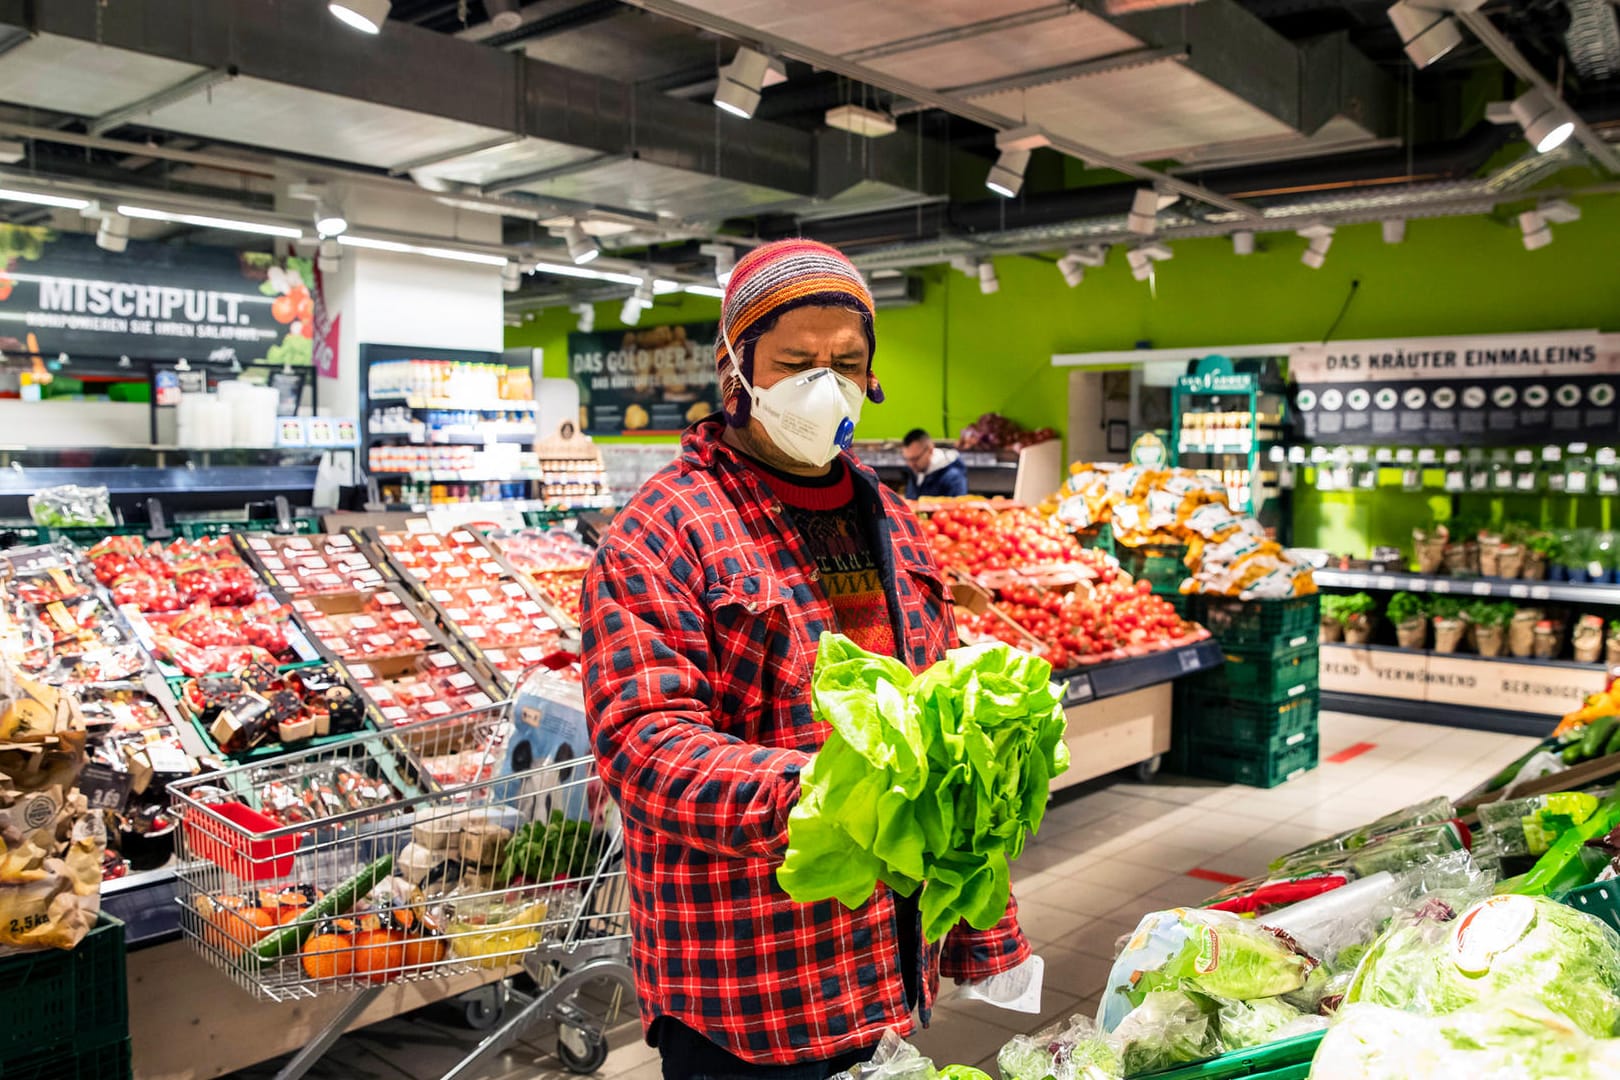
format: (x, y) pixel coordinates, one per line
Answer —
(411, 854)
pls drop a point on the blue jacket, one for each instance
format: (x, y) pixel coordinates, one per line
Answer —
(946, 476)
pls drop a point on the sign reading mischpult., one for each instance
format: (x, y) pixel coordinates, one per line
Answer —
(1499, 389)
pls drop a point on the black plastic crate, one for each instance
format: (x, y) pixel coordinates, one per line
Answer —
(1276, 726)
(55, 999)
(1257, 623)
(1263, 676)
(84, 1061)
(1241, 765)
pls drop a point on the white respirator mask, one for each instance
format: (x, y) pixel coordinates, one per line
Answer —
(810, 417)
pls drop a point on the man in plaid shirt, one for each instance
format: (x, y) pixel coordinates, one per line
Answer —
(702, 614)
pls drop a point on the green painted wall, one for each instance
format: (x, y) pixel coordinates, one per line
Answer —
(960, 353)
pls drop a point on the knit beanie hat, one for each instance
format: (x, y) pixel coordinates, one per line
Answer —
(772, 280)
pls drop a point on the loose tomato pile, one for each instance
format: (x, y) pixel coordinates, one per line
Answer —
(976, 538)
(1120, 618)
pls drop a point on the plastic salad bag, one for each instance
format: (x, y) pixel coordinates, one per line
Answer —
(70, 505)
(1070, 1050)
(896, 1059)
(1429, 812)
(1265, 1020)
(1169, 1028)
(1566, 959)
(937, 778)
(1506, 1038)
(1208, 952)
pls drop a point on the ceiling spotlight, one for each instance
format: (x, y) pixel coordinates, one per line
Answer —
(1537, 233)
(644, 292)
(1394, 230)
(503, 14)
(329, 218)
(511, 277)
(988, 282)
(1091, 255)
(586, 314)
(1141, 265)
(581, 248)
(1071, 269)
(1243, 242)
(329, 256)
(630, 314)
(1007, 174)
(1145, 206)
(366, 16)
(741, 81)
(113, 233)
(1158, 251)
(725, 260)
(1546, 121)
(1316, 252)
(1426, 34)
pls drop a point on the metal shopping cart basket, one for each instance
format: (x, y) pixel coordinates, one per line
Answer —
(412, 854)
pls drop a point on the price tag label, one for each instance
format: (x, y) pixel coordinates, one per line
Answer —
(461, 680)
(1453, 457)
(480, 596)
(457, 572)
(1192, 661)
(1552, 453)
(1427, 456)
(1383, 456)
(1524, 457)
(361, 672)
(1383, 581)
(1404, 456)
(1440, 585)
(1525, 481)
(1358, 455)
(1608, 483)
(1540, 592)
(1481, 588)
(1519, 592)
(1079, 690)
(1502, 479)
(436, 708)
(1455, 480)
(105, 788)
(1479, 481)
(442, 660)
(462, 537)
(394, 714)
(478, 701)
(532, 653)
(1604, 455)
(1577, 448)
(455, 614)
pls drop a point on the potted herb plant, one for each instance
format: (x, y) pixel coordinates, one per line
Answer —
(1355, 612)
(1332, 620)
(1461, 553)
(1408, 612)
(1611, 647)
(1548, 640)
(1490, 546)
(1487, 625)
(1449, 627)
(1509, 552)
(1586, 642)
(1430, 546)
(1522, 632)
(1541, 551)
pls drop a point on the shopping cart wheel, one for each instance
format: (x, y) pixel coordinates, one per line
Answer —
(1147, 770)
(483, 1008)
(580, 1051)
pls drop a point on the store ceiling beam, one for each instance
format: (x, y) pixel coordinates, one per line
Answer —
(1013, 21)
(451, 155)
(1092, 156)
(1504, 50)
(416, 70)
(200, 83)
(1063, 72)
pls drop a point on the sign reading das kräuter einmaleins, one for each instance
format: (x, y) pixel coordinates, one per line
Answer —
(1506, 389)
(644, 382)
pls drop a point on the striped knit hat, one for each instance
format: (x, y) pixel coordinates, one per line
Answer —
(772, 280)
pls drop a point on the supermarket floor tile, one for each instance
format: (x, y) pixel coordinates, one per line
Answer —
(1109, 852)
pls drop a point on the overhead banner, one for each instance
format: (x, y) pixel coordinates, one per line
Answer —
(1499, 389)
(644, 382)
(59, 293)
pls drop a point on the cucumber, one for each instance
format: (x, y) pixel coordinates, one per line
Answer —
(1571, 754)
(1597, 736)
(1613, 746)
(290, 938)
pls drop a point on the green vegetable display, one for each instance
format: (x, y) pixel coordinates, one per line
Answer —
(1254, 1023)
(932, 779)
(1405, 606)
(1486, 613)
(1445, 607)
(1167, 1029)
(541, 851)
(1341, 608)
(1566, 959)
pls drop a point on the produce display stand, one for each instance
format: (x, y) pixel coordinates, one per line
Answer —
(1513, 695)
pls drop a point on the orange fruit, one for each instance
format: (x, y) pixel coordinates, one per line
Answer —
(423, 952)
(327, 956)
(378, 954)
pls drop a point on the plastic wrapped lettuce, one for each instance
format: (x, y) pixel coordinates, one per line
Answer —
(1505, 1038)
(937, 778)
(1169, 1028)
(1209, 952)
(1070, 1050)
(1564, 958)
(1254, 1023)
(894, 1059)
(1431, 812)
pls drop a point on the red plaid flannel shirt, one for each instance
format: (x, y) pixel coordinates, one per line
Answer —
(701, 620)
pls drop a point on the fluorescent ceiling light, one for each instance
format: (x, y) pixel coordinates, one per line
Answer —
(705, 290)
(453, 255)
(741, 81)
(988, 282)
(581, 248)
(366, 16)
(1426, 34)
(564, 270)
(1394, 230)
(113, 233)
(1547, 122)
(64, 201)
(868, 123)
(207, 221)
